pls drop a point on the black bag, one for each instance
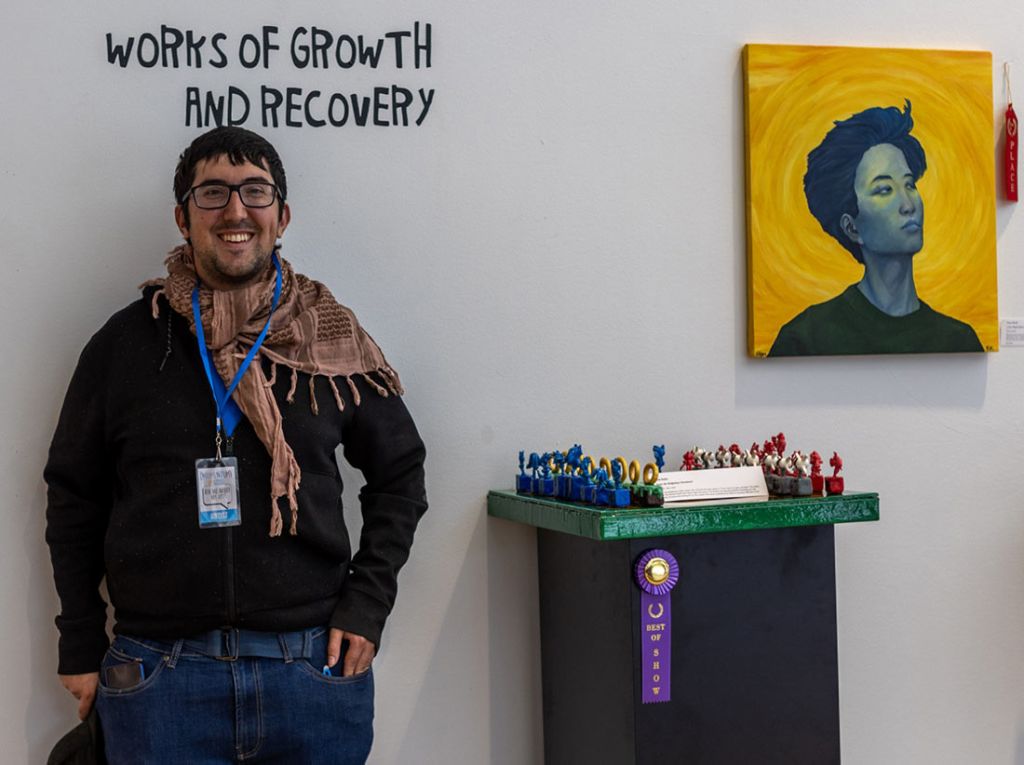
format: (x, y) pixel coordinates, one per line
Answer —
(82, 745)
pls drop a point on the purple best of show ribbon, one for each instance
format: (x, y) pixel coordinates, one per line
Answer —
(657, 572)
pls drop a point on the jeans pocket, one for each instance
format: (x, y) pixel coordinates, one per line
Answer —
(130, 666)
(317, 673)
(316, 664)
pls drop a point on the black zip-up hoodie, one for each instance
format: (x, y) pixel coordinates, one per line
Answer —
(122, 500)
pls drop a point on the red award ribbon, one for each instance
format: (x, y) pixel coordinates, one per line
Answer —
(656, 573)
(1010, 157)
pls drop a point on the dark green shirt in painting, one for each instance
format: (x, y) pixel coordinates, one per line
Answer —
(849, 324)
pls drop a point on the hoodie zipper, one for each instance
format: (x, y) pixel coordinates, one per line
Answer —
(229, 574)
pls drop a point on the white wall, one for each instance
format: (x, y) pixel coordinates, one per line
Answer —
(570, 212)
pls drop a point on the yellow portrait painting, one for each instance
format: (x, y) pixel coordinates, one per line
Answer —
(870, 201)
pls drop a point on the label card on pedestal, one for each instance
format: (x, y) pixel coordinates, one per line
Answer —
(717, 483)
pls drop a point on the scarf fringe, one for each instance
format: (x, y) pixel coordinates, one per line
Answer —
(337, 395)
(355, 391)
(154, 306)
(391, 378)
(293, 488)
(276, 521)
(375, 385)
(312, 396)
(290, 398)
(273, 374)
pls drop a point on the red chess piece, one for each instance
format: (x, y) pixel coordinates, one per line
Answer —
(817, 479)
(779, 442)
(834, 484)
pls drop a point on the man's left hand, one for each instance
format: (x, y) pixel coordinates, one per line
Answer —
(358, 657)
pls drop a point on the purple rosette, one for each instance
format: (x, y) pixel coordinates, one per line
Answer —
(656, 573)
(660, 585)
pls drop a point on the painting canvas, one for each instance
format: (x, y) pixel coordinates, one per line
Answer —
(870, 201)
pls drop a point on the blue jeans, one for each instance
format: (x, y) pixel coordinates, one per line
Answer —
(195, 709)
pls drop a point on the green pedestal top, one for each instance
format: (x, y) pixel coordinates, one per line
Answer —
(603, 523)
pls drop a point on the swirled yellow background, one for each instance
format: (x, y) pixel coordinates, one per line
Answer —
(793, 96)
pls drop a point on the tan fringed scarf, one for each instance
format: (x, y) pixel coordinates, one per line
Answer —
(309, 332)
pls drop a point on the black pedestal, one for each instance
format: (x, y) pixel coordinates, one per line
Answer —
(754, 661)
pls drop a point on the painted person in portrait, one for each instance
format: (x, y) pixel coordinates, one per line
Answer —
(861, 185)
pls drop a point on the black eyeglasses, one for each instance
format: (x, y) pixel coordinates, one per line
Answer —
(214, 196)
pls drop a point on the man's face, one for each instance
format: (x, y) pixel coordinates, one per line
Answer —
(890, 217)
(232, 245)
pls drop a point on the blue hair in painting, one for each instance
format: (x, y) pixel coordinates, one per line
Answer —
(832, 164)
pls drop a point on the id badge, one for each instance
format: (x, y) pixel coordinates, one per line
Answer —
(217, 490)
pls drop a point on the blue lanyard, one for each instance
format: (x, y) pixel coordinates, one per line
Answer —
(228, 412)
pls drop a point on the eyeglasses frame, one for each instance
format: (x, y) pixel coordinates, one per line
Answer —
(235, 188)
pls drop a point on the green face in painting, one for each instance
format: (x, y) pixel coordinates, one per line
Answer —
(890, 213)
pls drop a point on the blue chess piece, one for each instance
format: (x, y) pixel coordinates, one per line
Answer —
(659, 455)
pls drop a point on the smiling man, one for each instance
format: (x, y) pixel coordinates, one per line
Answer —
(861, 185)
(237, 221)
(201, 422)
